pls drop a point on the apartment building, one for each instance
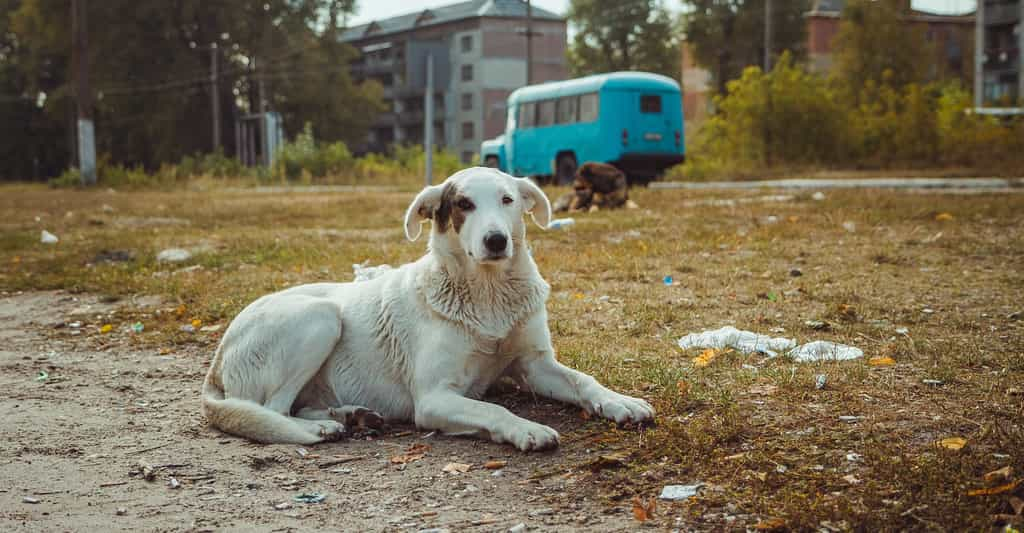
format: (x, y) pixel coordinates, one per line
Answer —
(1004, 40)
(479, 52)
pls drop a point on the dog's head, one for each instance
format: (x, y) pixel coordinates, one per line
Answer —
(480, 208)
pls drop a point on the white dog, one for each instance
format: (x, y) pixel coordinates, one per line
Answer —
(420, 342)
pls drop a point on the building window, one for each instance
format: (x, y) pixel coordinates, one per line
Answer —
(467, 131)
(466, 43)
(589, 106)
(467, 101)
(467, 72)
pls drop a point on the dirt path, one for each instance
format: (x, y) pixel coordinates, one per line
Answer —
(75, 441)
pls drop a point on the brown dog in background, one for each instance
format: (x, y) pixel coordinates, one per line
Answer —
(597, 185)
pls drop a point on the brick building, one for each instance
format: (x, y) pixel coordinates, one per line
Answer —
(479, 54)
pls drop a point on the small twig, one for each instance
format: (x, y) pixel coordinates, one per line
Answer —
(112, 484)
(46, 492)
(144, 450)
(173, 465)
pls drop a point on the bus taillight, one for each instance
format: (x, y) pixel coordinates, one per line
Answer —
(625, 137)
(679, 138)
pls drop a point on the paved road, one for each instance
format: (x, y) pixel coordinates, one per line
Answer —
(862, 183)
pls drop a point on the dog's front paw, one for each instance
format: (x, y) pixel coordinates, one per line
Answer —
(529, 436)
(623, 409)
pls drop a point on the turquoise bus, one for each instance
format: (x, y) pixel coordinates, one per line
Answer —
(633, 120)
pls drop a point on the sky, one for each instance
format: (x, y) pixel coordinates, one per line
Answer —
(377, 9)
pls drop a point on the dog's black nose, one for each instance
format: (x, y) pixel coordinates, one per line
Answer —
(495, 242)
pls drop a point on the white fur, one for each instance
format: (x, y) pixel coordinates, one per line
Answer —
(420, 342)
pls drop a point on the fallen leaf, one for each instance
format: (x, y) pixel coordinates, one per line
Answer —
(180, 310)
(584, 414)
(952, 443)
(1002, 474)
(766, 390)
(196, 323)
(456, 468)
(772, 524)
(578, 295)
(644, 511)
(705, 358)
(1017, 504)
(683, 388)
(495, 465)
(763, 476)
(881, 360)
(995, 490)
(851, 479)
(413, 453)
(107, 328)
(943, 217)
(609, 460)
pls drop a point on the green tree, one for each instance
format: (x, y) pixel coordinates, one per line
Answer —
(150, 63)
(622, 35)
(728, 35)
(875, 44)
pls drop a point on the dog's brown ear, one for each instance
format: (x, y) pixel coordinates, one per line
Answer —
(421, 209)
(535, 202)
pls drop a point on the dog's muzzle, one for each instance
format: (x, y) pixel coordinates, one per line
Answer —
(496, 244)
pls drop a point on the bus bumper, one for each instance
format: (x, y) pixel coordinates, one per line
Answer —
(645, 167)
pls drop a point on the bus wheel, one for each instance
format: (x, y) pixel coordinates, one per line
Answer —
(566, 169)
(491, 161)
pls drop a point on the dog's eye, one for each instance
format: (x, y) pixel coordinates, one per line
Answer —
(464, 204)
(507, 200)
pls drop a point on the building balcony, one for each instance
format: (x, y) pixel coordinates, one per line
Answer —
(1001, 13)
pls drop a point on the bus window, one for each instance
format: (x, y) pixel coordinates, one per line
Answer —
(545, 113)
(527, 116)
(568, 109)
(589, 107)
(650, 103)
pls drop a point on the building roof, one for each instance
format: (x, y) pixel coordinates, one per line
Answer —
(445, 14)
(833, 8)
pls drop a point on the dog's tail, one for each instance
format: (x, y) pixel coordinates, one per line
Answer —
(248, 419)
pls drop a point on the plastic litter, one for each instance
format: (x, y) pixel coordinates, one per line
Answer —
(138, 327)
(679, 492)
(188, 328)
(820, 380)
(365, 272)
(824, 351)
(818, 196)
(668, 280)
(743, 341)
(42, 375)
(173, 255)
(48, 238)
(560, 223)
(748, 342)
(312, 497)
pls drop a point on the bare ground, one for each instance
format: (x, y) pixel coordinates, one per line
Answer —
(77, 440)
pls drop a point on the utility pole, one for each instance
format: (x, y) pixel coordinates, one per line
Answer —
(768, 35)
(83, 94)
(214, 96)
(428, 123)
(261, 108)
(529, 43)
(1020, 53)
(979, 54)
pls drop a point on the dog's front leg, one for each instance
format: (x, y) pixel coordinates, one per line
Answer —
(544, 375)
(446, 410)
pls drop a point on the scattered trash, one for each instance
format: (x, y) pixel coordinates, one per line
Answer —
(933, 382)
(824, 351)
(849, 418)
(106, 328)
(902, 331)
(668, 280)
(312, 497)
(112, 256)
(138, 327)
(187, 328)
(302, 452)
(609, 460)
(29, 499)
(518, 528)
(48, 238)
(456, 468)
(818, 196)
(679, 492)
(173, 255)
(42, 376)
(850, 227)
(121, 511)
(75, 325)
(819, 381)
(211, 329)
(412, 453)
(364, 272)
(173, 483)
(943, 217)
(818, 325)
(282, 506)
(1001, 474)
(730, 337)
(495, 465)
(855, 457)
(881, 360)
(560, 223)
(952, 443)
(796, 272)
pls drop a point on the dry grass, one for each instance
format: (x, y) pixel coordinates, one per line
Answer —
(762, 452)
